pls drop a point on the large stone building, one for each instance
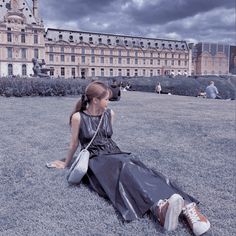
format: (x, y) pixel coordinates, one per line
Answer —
(76, 53)
(21, 37)
(211, 59)
(89, 54)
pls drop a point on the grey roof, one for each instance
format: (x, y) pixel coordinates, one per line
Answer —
(93, 38)
(24, 7)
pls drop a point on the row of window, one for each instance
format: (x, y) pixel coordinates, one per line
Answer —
(218, 61)
(126, 42)
(23, 70)
(119, 72)
(128, 60)
(120, 53)
(214, 72)
(23, 38)
(23, 53)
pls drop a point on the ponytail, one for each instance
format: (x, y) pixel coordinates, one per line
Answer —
(80, 106)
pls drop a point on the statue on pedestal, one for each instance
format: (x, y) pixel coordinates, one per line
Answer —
(15, 5)
(38, 69)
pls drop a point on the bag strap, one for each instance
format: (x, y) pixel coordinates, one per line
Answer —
(100, 122)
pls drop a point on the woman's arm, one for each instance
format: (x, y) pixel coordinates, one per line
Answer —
(112, 116)
(74, 143)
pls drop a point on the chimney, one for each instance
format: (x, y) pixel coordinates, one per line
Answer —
(35, 9)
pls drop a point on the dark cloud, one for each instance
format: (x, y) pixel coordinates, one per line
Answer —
(199, 20)
(168, 10)
(73, 9)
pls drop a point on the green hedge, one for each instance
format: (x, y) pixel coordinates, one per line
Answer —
(20, 87)
(186, 86)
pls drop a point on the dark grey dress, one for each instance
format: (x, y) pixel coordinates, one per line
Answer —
(127, 183)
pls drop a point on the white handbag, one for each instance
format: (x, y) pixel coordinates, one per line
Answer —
(80, 166)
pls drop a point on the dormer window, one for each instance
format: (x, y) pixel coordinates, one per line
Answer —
(81, 38)
(71, 38)
(90, 39)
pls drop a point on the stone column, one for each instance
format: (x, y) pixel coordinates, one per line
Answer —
(35, 9)
(190, 55)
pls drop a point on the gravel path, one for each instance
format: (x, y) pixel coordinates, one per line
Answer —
(191, 140)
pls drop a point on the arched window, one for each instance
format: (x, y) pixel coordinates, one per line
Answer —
(24, 70)
(10, 69)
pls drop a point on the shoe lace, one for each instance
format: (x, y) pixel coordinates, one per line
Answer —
(161, 203)
(192, 214)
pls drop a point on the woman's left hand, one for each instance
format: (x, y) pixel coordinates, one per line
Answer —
(57, 164)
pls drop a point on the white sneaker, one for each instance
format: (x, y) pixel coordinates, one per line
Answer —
(197, 222)
(167, 211)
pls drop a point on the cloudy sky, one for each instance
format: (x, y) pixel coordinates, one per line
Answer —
(191, 20)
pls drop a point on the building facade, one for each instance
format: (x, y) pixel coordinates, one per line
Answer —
(76, 53)
(21, 37)
(211, 59)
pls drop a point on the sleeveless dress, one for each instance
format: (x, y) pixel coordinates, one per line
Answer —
(127, 183)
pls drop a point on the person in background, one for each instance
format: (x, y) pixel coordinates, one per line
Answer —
(212, 91)
(115, 89)
(128, 87)
(132, 187)
(158, 88)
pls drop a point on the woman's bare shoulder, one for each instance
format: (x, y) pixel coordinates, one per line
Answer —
(76, 116)
(112, 112)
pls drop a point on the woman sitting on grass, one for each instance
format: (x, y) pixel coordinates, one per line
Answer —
(132, 188)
